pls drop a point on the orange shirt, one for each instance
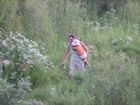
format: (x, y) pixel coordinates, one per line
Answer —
(79, 49)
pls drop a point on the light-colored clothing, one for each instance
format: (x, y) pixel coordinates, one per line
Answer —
(84, 56)
(78, 48)
(75, 63)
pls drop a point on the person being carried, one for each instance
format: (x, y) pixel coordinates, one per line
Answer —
(81, 49)
(78, 57)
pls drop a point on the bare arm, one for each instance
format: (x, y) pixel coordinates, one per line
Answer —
(66, 54)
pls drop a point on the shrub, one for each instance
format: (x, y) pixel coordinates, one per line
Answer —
(12, 95)
(22, 53)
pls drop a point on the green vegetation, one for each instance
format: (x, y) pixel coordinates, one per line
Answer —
(33, 38)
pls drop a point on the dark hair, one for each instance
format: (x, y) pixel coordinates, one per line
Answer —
(73, 35)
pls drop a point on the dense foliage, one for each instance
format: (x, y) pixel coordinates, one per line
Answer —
(33, 35)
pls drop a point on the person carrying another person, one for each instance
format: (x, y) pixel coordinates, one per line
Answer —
(78, 57)
(81, 50)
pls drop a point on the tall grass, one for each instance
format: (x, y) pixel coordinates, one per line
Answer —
(113, 43)
(113, 78)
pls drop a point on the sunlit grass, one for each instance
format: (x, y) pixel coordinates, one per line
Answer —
(112, 79)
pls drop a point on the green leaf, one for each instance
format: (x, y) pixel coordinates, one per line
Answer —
(1, 17)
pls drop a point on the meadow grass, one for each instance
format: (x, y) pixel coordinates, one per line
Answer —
(113, 78)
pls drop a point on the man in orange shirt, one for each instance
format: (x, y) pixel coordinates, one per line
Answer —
(81, 49)
(77, 60)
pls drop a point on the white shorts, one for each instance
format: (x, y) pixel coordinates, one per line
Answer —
(76, 65)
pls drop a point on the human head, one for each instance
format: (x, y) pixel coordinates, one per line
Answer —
(71, 37)
(75, 42)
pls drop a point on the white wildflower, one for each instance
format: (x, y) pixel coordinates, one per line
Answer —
(6, 62)
(114, 41)
(127, 42)
(13, 75)
(4, 43)
(11, 34)
(28, 50)
(121, 39)
(129, 38)
(29, 61)
(93, 86)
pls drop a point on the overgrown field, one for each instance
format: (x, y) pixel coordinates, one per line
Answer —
(33, 39)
